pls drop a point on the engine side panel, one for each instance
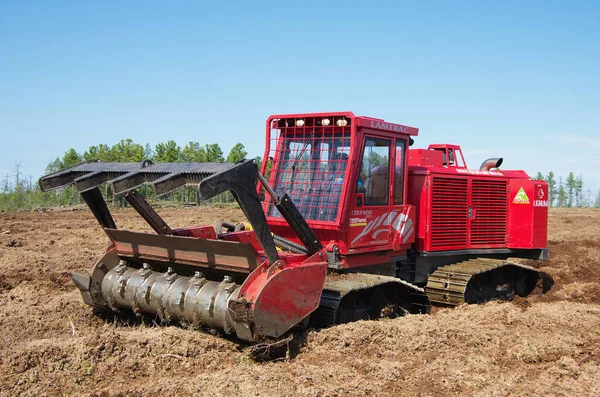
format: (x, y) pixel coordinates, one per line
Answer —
(528, 214)
(473, 210)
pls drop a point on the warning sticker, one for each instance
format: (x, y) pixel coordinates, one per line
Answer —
(358, 222)
(521, 197)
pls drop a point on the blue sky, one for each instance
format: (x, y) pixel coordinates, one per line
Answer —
(511, 79)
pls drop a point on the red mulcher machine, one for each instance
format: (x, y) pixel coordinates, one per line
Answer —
(347, 223)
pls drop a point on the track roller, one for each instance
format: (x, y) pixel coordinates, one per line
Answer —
(358, 296)
(482, 280)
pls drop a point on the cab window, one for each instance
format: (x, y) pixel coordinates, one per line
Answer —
(399, 172)
(374, 175)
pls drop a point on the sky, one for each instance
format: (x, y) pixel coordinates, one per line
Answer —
(512, 79)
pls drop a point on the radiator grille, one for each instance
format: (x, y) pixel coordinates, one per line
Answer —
(449, 212)
(489, 199)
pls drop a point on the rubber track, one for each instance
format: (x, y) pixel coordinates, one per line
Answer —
(338, 286)
(449, 285)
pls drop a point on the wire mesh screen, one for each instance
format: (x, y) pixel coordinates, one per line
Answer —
(310, 164)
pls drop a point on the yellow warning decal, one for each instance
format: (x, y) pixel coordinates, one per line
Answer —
(521, 197)
(358, 222)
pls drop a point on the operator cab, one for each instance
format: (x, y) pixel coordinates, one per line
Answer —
(309, 161)
(342, 172)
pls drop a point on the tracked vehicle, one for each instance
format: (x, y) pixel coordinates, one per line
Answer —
(347, 223)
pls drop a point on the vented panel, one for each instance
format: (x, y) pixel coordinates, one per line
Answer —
(490, 205)
(449, 212)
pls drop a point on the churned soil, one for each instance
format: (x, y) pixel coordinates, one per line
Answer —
(53, 344)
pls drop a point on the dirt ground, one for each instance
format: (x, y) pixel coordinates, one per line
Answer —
(53, 344)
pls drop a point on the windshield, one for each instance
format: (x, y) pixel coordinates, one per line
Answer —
(311, 169)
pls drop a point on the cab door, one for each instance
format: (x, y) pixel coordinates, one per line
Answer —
(371, 214)
(403, 226)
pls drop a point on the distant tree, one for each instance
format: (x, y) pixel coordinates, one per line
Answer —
(6, 185)
(571, 185)
(167, 152)
(538, 177)
(148, 152)
(562, 194)
(193, 153)
(579, 191)
(91, 153)
(268, 167)
(127, 151)
(587, 199)
(552, 191)
(237, 153)
(70, 158)
(258, 161)
(19, 188)
(54, 166)
(100, 152)
(214, 154)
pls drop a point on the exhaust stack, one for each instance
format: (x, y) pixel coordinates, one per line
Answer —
(491, 163)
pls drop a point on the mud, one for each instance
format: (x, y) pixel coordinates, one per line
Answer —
(52, 344)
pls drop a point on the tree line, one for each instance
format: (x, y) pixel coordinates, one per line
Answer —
(19, 192)
(568, 192)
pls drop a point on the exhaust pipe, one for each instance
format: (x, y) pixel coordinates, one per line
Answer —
(490, 163)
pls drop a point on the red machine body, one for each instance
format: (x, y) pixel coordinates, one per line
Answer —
(464, 209)
(350, 219)
(412, 203)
